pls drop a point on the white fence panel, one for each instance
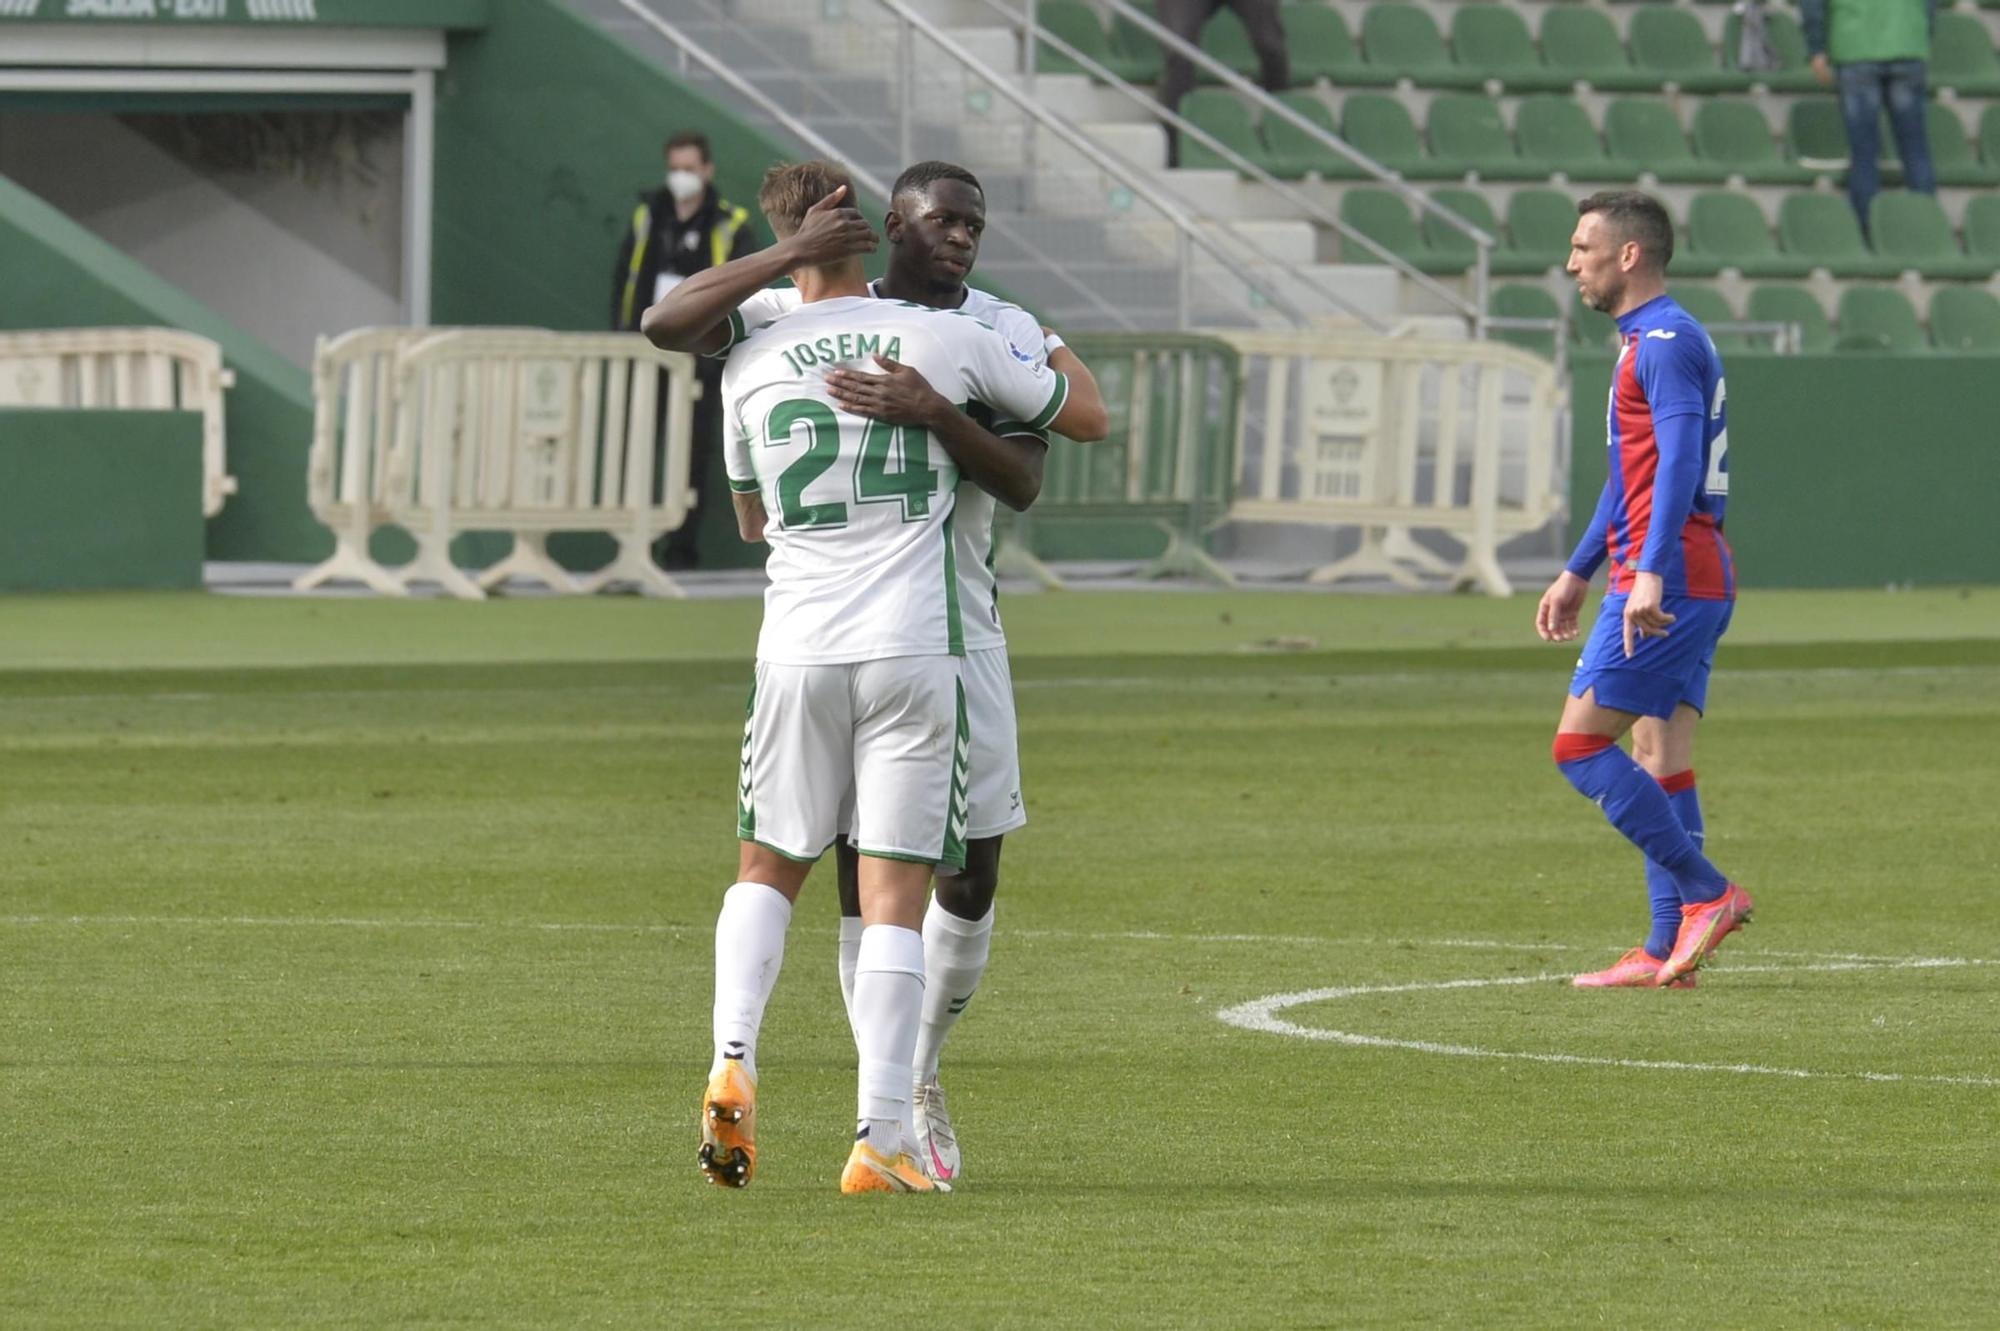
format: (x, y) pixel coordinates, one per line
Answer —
(347, 470)
(1390, 435)
(126, 369)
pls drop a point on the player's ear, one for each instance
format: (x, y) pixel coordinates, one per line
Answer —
(892, 226)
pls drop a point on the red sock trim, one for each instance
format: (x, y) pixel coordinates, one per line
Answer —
(1678, 782)
(1571, 745)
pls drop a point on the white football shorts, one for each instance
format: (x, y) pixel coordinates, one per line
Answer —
(994, 807)
(877, 746)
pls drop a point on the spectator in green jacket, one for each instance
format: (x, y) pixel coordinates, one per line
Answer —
(1876, 53)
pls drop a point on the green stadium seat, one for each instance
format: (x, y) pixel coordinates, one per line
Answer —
(1962, 56)
(1644, 134)
(1466, 129)
(1136, 56)
(1295, 153)
(1710, 309)
(1913, 230)
(1521, 301)
(1590, 328)
(1383, 217)
(1539, 225)
(1788, 40)
(1822, 230)
(1403, 41)
(1982, 227)
(1493, 40)
(1730, 227)
(1224, 38)
(1734, 134)
(1076, 23)
(1581, 45)
(1787, 304)
(1668, 43)
(1446, 239)
(1878, 319)
(1952, 154)
(1322, 48)
(1378, 126)
(1815, 135)
(1218, 111)
(1557, 131)
(1965, 319)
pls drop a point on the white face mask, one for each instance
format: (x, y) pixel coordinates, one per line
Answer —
(685, 185)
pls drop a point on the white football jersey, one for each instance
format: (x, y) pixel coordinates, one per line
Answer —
(861, 513)
(972, 530)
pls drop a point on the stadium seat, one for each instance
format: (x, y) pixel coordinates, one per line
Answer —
(1989, 133)
(1581, 45)
(1965, 319)
(1730, 227)
(1644, 134)
(1591, 328)
(1822, 230)
(1556, 131)
(1521, 301)
(1734, 134)
(1539, 224)
(1220, 113)
(1913, 230)
(1224, 38)
(1982, 228)
(1788, 304)
(1383, 217)
(1403, 42)
(1378, 126)
(1710, 309)
(1878, 319)
(1294, 153)
(1466, 130)
(1815, 135)
(1962, 56)
(1788, 41)
(1076, 23)
(1668, 43)
(1137, 57)
(1952, 154)
(1493, 40)
(1446, 239)
(1322, 48)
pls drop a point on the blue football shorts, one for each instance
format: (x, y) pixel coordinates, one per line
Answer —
(1662, 673)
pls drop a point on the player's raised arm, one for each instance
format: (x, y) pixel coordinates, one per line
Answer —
(1091, 419)
(694, 316)
(1007, 464)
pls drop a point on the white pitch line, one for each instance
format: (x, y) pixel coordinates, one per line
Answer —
(1261, 1015)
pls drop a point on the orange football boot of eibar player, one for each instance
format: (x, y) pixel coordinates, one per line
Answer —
(1637, 969)
(729, 1127)
(1703, 927)
(868, 1170)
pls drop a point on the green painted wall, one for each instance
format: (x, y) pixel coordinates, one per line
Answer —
(1844, 471)
(100, 499)
(56, 274)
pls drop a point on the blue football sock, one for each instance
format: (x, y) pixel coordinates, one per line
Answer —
(1661, 888)
(1637, 807)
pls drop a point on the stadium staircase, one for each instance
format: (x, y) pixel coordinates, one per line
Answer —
(1503, 113)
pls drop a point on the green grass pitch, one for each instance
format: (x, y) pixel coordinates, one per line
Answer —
(355, 963)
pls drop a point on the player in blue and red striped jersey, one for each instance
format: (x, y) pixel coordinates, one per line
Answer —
(1673, 585)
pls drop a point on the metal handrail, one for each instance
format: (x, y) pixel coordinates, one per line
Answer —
(1474, 308)
(687, 47)
(1189, 233)
(1033, 32)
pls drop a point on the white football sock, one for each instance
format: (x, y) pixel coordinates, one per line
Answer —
(749, 949)
(888, 1003)
(955, 952)
(850, 953)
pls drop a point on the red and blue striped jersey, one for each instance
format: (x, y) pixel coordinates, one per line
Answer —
(1668, 453)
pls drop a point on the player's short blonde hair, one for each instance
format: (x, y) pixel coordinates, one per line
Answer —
(792, 187)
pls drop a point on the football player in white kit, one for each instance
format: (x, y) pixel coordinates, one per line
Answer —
(934, 225)
(857, 720)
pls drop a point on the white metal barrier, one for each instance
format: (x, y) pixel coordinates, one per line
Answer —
(126, 369)
(1466, 438)
(516, 430)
